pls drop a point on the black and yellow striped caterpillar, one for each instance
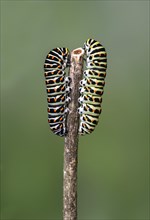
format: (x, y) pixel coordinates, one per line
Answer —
(57, 86)
(92, 86)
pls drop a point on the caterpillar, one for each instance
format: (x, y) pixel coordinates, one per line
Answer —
(57, 87)
(92, 86)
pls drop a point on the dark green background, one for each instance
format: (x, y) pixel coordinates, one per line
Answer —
(113, 160)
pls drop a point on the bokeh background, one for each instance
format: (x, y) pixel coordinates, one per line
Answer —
(113, 160)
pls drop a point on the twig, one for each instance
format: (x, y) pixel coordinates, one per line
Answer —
(71, 140)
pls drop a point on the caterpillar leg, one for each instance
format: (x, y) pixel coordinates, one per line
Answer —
(80, 110)
(68, 99)
(81, 90)
(68, 80)
(80, 99)
(62, 132)
(66, 111)
(68, 90)
(82, 130)
(83, 82)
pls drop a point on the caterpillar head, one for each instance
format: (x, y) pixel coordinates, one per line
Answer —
(66, 57)
(86, 45)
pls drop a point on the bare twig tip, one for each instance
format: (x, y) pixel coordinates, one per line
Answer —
(79, 51)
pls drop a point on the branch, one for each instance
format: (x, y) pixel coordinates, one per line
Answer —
(71, 140)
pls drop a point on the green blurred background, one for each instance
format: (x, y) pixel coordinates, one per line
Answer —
(113, 160)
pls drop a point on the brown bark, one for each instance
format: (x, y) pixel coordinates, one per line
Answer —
(71, 140)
